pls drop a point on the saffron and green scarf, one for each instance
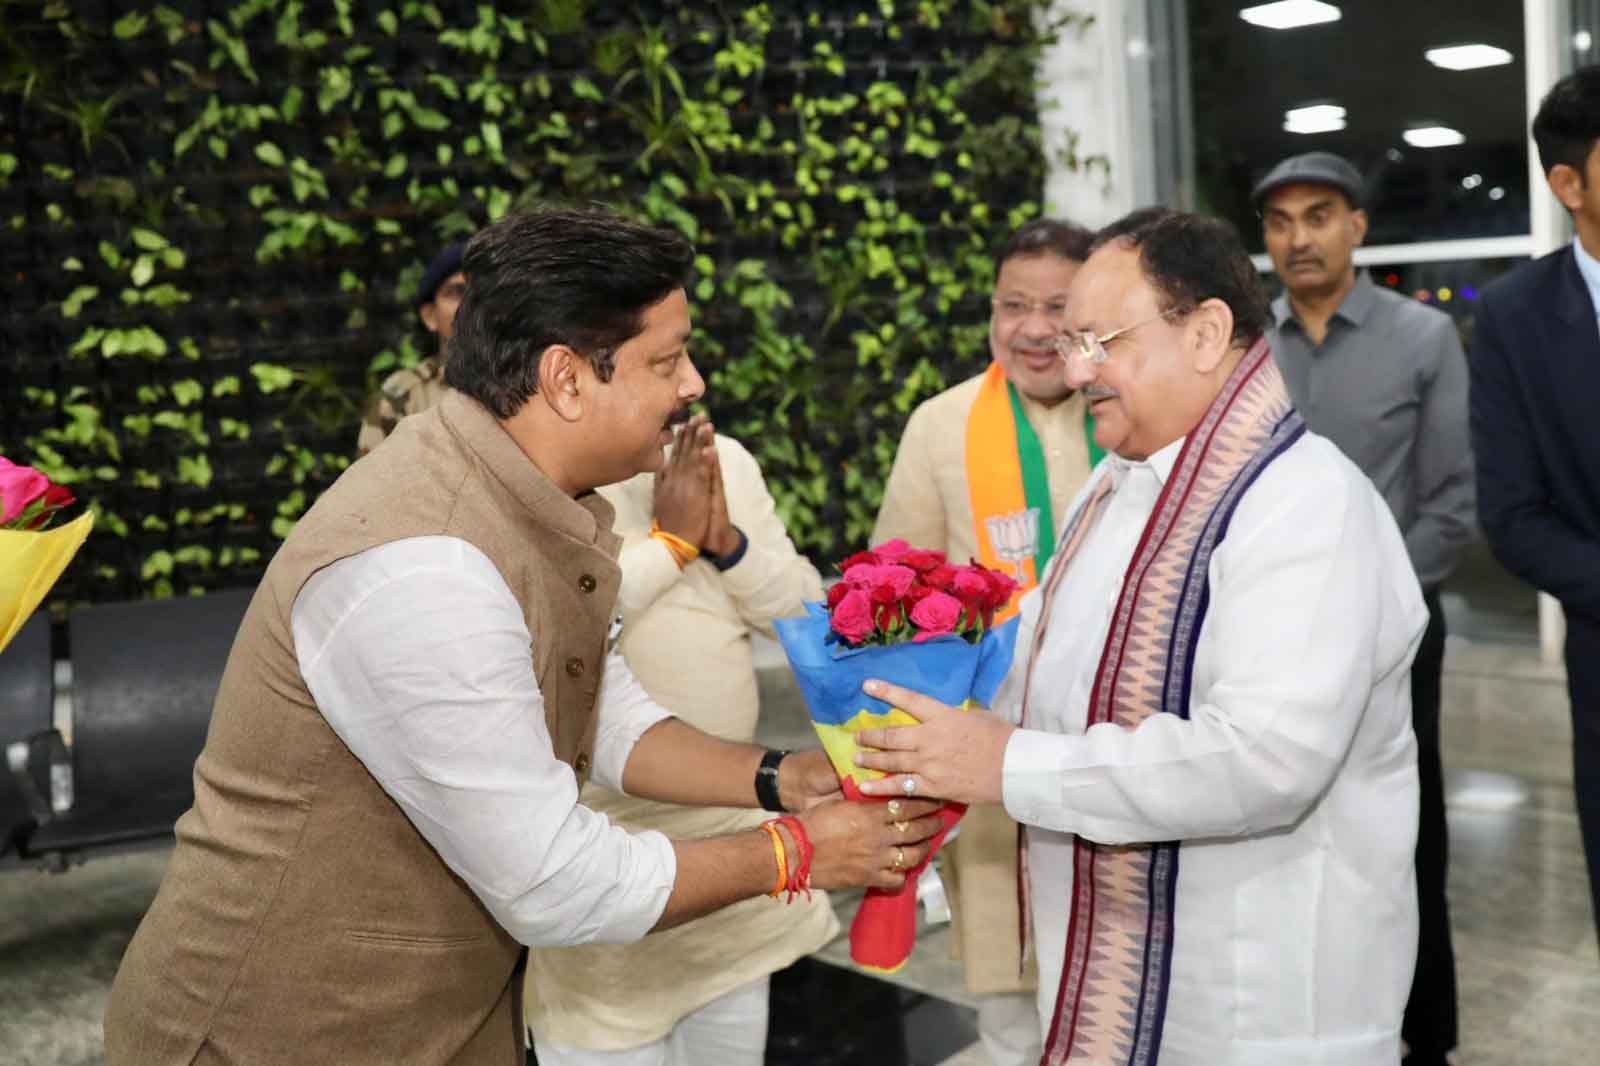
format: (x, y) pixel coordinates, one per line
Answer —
(1009, 485)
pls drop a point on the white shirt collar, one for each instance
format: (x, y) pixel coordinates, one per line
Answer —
(1589, 267)
(1160, 464)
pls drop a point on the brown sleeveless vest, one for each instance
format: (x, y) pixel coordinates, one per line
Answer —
(303, 919)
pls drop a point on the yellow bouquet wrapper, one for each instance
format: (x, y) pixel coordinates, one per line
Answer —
(31, 561)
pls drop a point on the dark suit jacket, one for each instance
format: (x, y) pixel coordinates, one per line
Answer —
(1535, 405)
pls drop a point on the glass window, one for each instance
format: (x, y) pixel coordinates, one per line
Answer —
(1453, 286)
(1441, 140)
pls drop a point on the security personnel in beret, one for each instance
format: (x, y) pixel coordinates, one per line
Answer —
(414, 389)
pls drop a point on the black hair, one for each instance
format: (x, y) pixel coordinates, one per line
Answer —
(1139, 216)
(1045, 236)
(578, 276)
(1193, 258)
(1568, 122)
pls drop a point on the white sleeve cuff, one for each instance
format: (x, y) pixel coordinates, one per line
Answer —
(1031, 777)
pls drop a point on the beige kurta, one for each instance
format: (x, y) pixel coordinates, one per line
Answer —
(686, 636)
(927, 503)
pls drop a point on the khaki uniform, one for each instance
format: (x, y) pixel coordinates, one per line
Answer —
(409, 391)
(927, 503)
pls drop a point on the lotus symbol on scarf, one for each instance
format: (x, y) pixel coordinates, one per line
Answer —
(1015, 536)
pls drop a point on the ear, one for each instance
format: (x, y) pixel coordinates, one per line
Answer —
(430, 316)
(561, 381)
(1358, 221)
(1210, 330)
(1567, 185)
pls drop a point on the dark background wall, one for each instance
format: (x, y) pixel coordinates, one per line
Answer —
(214, 215)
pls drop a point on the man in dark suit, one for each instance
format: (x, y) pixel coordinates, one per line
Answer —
(1535, 399)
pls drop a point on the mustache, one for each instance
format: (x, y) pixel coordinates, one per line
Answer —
(1097, 391)
(679, 417)
(1302, 260)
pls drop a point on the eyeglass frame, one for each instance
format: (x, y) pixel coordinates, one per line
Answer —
(1070, 343)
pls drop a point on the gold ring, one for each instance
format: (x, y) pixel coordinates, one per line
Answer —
(899, 859)
(894, 808)
(901, 827)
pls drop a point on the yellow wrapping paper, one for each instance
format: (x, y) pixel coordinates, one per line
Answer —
(30, 563)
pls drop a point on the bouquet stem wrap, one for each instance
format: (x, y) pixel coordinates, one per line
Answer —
(30, 563)
(952, 670)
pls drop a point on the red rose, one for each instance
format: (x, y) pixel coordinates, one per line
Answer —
(940, 577)
(917, 593)
(1001, 587)
(892, 551)
(55, 498)
(20, 487)
(923, 561)
(860, 559)
(935, 616)
(852, 618)
(898, 578)
(867, 577)
(970, 586)
(836, 594)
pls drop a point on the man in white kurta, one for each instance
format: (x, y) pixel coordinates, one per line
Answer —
(1273, 795)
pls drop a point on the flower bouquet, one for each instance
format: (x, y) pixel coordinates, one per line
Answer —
(910, 618)
(31, 558)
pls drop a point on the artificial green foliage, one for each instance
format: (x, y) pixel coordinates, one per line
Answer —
(215, 214)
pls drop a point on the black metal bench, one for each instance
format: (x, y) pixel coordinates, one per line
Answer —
(144, 676)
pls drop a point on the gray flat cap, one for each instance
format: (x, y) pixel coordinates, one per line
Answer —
(1313, 168)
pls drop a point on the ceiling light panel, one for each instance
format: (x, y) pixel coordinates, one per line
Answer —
(1468, 56)
(1314, 118)
(1433, 137)
(1290, 14)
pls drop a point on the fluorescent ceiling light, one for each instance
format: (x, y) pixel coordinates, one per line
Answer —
(1433, 137)
(1315, 118)
(1468, 56)
(1290, 14)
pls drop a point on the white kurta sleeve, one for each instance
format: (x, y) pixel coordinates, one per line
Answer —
(1299, 589)
(626, 713)
(648, 571)
(418, 657)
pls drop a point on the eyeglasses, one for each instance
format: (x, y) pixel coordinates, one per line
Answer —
(1015, 309)
(1084, 344)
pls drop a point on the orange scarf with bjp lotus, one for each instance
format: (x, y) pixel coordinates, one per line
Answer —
(1009, 485)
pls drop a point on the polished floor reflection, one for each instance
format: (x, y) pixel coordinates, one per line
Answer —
(1528, 958)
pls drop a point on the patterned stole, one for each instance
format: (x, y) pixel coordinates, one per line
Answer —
(1113, 994)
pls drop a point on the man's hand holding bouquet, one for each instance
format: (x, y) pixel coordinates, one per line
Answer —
(910, 618)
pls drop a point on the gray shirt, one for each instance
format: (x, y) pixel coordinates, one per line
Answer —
(1388, 385)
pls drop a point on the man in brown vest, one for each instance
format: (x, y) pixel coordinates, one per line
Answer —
(386, 806)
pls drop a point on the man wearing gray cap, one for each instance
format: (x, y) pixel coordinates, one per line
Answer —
(1384, 378)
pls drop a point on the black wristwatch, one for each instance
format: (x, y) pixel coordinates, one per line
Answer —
(729, 561)
(767, 781)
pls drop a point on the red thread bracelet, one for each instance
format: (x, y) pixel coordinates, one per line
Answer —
(799, 872)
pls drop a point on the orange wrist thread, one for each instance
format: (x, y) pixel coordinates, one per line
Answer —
(683, 553)
(781, 854)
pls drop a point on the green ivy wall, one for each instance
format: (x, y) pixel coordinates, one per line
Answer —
(214, 214)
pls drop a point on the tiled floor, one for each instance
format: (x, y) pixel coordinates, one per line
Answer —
(1529, 965)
